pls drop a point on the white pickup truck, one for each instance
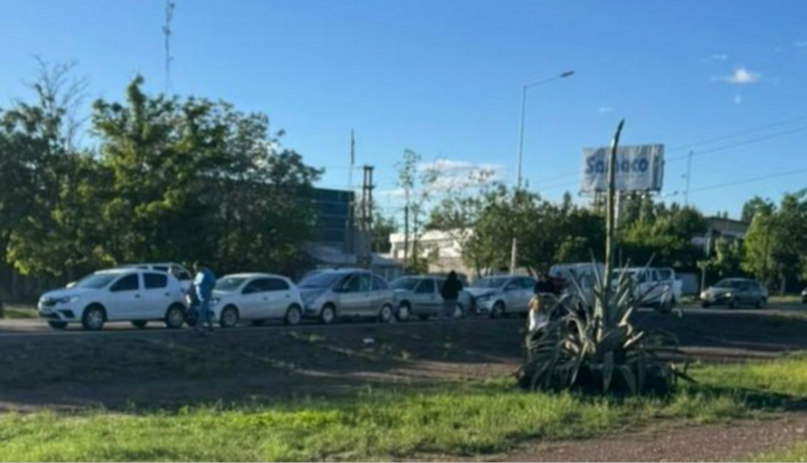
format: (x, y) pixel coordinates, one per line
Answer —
(655, 287)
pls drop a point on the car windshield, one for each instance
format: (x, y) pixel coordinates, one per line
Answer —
(97, 281)
(230, 283)
(729, 284)
(320, 280)
(407, 284)
(489, 283)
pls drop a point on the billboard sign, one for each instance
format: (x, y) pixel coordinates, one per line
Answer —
(639, 168)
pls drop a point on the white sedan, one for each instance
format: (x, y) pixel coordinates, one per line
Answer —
(256, 297)
(132, 295)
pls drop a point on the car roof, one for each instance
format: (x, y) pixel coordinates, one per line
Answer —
(254, 275)
(119, 270)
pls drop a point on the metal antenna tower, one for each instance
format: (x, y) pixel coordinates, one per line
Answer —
(169, 16)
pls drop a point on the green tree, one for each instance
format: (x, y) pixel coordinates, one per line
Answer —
(756, 205)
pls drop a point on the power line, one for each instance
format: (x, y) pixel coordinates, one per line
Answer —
(737, 134)
(750, 180)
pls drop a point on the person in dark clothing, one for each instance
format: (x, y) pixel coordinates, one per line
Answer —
(451, 293)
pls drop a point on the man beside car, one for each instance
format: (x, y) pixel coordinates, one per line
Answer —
(451, 294)
(203, 286)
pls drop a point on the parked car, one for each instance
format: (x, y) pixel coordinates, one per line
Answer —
(804, 296)
(257, 298)
(420, 296)
(585, 274)
(653, 287)
(347, 293)
(501, 295)
(734, 292)
(112, 295)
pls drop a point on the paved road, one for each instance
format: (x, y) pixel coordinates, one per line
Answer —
(28, 328)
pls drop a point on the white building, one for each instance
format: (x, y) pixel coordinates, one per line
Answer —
(443, 249)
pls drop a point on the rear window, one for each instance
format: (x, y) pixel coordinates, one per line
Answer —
(379, 284)
(155, 280)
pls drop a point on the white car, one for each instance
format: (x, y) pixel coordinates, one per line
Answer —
(113, 295)
(256, 297)
(498, 296)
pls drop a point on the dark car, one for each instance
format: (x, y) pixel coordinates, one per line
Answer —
(804, 296)
(734, 292)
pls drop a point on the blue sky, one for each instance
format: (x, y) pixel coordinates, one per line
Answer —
(444, 78)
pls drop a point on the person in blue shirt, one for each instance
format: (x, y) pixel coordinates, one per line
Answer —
(203, 286)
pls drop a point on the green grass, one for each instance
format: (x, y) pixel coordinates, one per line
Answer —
(787, 299)
(796, 455)
(17, 311)
(401, 423)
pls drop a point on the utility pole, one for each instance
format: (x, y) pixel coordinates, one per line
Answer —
(352, 160)
(689, 176)
(406, 236)
(366, 250)
(169, 16)
(610, 216)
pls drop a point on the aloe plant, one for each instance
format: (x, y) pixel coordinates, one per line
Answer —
(592, 345)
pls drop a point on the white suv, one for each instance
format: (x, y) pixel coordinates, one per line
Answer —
(122, 294)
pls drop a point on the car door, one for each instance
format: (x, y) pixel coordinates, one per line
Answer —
(425, 297)
(512, 294)
(124, 298)
(156, 296)
(381, 295)
(279, 297)
(252, 299)
(527, 292)
(355, 298)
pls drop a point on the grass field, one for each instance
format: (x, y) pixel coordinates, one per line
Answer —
(392, 423)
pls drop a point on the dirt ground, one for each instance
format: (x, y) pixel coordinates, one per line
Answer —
(166, 369)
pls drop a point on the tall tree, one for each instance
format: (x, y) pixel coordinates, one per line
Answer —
(756, 205)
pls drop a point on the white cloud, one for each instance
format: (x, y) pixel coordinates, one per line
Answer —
(605, 109)
(738, 99)
(800, 43)
(455, 175)
(450, 166)
(396, 193)
(719, 57)
(741, 76)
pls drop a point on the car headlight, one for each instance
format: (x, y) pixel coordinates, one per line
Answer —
(215, 301)
(485, 298)
(67, 300)
(728, 295)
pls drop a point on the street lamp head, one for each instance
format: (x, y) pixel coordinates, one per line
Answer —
(567, 74)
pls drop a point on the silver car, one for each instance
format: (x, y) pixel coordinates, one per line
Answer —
(346, 293)
(498, 296)
(735, 291)
(420, 296)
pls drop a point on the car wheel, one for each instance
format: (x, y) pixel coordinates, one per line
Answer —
(386, 315)
(423, 318)
(327, 315)
(498, 310)
(404, 312)
(229, 317)
(733, 304)
(174, 317)
(94, 318)
(705, 305)
(58, 325)
(761, 303)
(139, 323)
(293, 315)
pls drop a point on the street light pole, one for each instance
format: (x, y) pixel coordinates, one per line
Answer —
(514, 249)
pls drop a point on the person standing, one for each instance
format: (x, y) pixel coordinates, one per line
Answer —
(203, 285)
(451, 294)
